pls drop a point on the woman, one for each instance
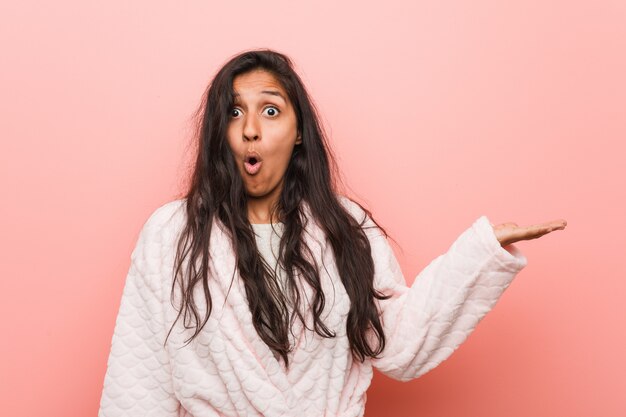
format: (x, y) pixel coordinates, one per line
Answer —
(299, 295)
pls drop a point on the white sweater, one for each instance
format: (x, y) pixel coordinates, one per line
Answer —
(229, 371)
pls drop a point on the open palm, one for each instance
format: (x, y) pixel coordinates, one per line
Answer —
(508, 233)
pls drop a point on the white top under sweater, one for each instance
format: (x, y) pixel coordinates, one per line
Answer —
(268, 241)
(267, 237)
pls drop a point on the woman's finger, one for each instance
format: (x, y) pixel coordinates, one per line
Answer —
(510, 232)
(538, 230)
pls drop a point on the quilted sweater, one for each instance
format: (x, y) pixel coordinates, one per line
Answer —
(227, 370)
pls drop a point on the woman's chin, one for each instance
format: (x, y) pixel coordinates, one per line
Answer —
(260, 191)
(255, 192)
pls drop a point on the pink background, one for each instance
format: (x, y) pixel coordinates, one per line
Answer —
(438, 113)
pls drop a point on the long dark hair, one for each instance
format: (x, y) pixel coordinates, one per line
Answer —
(217, 191)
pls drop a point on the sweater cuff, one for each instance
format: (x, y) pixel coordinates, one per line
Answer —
(512, 259)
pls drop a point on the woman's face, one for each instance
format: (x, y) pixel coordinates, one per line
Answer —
(262, 133)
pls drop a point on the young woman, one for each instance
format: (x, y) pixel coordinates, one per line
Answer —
(265, 292)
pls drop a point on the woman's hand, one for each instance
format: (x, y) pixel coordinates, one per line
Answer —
(508, 233)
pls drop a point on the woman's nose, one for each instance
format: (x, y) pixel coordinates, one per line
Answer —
(251, 128)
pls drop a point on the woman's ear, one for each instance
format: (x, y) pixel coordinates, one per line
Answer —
(299, 139)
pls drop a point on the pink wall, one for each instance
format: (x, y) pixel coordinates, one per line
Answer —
(439, 113)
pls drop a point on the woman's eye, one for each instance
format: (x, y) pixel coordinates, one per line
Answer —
(271, 111)
(235, 112)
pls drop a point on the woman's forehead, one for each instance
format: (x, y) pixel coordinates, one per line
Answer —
(257, 82)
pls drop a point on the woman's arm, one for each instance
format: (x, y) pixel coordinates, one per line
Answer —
(426, 322)
(138, 378)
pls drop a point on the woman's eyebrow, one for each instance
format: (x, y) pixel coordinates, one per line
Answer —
(274, 93)
(269, 92)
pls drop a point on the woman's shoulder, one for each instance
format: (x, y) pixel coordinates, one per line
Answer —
(167, 217)
(159, 232)
(355, 209)
(352, 206)
(362, 215)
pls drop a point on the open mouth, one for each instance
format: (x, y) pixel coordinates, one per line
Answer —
(252, 164)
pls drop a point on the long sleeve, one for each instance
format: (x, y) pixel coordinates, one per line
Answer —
(138, 378)
(426, 322)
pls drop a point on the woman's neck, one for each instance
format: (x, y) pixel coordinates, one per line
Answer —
(259, 211)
